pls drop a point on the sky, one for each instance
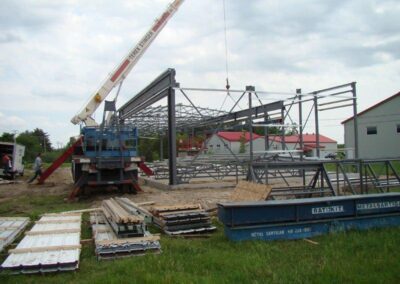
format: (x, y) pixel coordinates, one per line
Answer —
(55, 54)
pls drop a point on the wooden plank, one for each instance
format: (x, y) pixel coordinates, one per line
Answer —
(176, 207)
(112, 209)
(81, 211)
(51, 232)
(191, 236)
(145, 203)
(128, 240)
(58, 221)
(250, 191)
(63, 214)
(163, 214)
(86, 241)
(42, 249)
(311, 242)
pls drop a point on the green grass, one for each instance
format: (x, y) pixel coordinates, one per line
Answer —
(352, 257)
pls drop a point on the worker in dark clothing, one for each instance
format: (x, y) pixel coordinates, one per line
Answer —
(6, 161)
(37, 167)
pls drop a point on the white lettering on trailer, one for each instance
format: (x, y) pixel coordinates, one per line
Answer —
(327, 209)
(378, 205)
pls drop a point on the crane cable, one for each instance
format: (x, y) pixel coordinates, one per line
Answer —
(227, 86)
(226, 49)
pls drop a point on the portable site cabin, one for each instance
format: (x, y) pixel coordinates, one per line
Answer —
(16, 153)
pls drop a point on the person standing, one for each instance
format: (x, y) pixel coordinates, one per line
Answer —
(6, 161)
(37, 167)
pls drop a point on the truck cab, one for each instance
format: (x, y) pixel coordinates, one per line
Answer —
(107, 156)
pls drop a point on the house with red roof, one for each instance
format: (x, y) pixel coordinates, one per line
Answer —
(292, 142)
(219, 142)
(378, 131)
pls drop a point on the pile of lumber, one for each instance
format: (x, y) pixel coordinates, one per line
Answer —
(123, 222)
(182, 219)
(119, 230)
(250, 191)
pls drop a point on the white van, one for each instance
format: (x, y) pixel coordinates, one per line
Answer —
(16, 153)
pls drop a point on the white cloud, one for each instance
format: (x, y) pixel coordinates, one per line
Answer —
(55, 54)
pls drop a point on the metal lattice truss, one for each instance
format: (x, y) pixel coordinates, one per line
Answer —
(154, 120)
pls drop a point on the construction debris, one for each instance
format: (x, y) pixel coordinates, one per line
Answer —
(109, 245)
(53, 244)
(5, 181)
(182, 219)
(250, 191)
(10, 228)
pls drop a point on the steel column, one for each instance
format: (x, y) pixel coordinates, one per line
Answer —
(298, 91)
(172, 137)
(316, 125)
(353, 90)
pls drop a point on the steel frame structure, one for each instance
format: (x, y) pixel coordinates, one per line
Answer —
(258, 167)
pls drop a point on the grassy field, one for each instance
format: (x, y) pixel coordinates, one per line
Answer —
(367, 257)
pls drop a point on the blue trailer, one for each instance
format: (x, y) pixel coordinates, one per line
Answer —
(304, 218)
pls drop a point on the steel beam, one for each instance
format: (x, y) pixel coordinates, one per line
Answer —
(154, 92)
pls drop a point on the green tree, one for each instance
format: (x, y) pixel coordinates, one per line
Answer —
(242, 148)
(31, 143)
(7, 137)
(44, 139)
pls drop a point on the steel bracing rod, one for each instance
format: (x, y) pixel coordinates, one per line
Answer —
(346, 178)
(337, 94)
(375, 180)
(215, 131)
(191, 103)
(393, 170)
(335, 107)
(333, 88)
(234, 91)
(328, 180)
(304, 125)
(258, 98)
(319, 97)
(335, 102)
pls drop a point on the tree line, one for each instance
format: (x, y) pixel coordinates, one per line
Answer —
(35, 141)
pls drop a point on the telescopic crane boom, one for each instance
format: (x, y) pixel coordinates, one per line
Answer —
(124, 67)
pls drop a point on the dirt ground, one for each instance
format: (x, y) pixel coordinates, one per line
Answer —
(60, 183)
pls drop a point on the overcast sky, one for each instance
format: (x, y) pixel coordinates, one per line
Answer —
(55, 54)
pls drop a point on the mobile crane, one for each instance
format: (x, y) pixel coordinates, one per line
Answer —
(106, 154)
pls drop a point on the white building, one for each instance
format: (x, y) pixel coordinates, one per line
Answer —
(218, 143)
(292, 142)
(378, 130)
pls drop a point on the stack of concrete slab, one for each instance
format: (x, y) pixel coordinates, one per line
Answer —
(53, 244)
(182, 219)
(10, 228)
(120, 230)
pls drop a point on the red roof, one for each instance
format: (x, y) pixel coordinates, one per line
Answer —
(236, 135)
(372, 107)
(307, 138)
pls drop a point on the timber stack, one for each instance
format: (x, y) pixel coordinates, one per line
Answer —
(120, 230)
(182, 219)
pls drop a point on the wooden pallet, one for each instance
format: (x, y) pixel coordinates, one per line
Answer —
(250, 191)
